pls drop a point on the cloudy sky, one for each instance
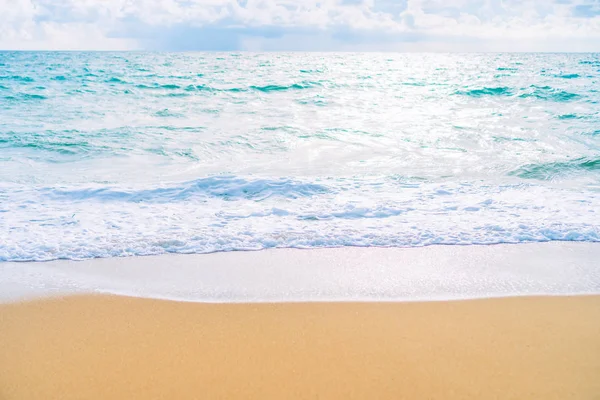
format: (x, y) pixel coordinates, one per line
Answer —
(259, 25)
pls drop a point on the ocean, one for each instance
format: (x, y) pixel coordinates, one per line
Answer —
(121, 154)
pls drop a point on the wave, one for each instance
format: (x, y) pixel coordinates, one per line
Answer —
(67, 142)
(356, 213)
(487, 91)
(553, 170)
(567, 76)
(570, 116)
(176, 94)
(279, 88)
(65, 148)
(590, 62)
(550, 94)
(168, 86)
(207, 88)
(228, 188)
(114, 79)
(25, 97)
(215, 239)
(17, 78)
(264, 89)
(538, 92)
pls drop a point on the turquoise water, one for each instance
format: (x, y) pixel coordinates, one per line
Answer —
(115, 154)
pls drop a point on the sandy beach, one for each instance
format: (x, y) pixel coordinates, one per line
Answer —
(110, 347)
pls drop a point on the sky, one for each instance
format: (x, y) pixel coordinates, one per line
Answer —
(301, 25)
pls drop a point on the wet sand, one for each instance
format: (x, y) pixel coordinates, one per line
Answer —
(339, 274)
(111, 347)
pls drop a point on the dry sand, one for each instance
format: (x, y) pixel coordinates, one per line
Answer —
(108, 347)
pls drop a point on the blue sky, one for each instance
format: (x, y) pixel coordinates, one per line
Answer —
(301, 25)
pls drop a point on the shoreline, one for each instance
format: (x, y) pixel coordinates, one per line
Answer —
(312, 275)
(99, 346)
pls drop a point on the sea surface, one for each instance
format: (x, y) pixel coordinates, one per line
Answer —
(119, 154)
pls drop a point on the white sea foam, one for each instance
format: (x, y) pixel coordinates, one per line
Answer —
(234, 213)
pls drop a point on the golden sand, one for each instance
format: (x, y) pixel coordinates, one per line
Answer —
(106, 347)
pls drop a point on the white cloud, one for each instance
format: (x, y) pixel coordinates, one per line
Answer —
(31, 24)
(523, 25)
